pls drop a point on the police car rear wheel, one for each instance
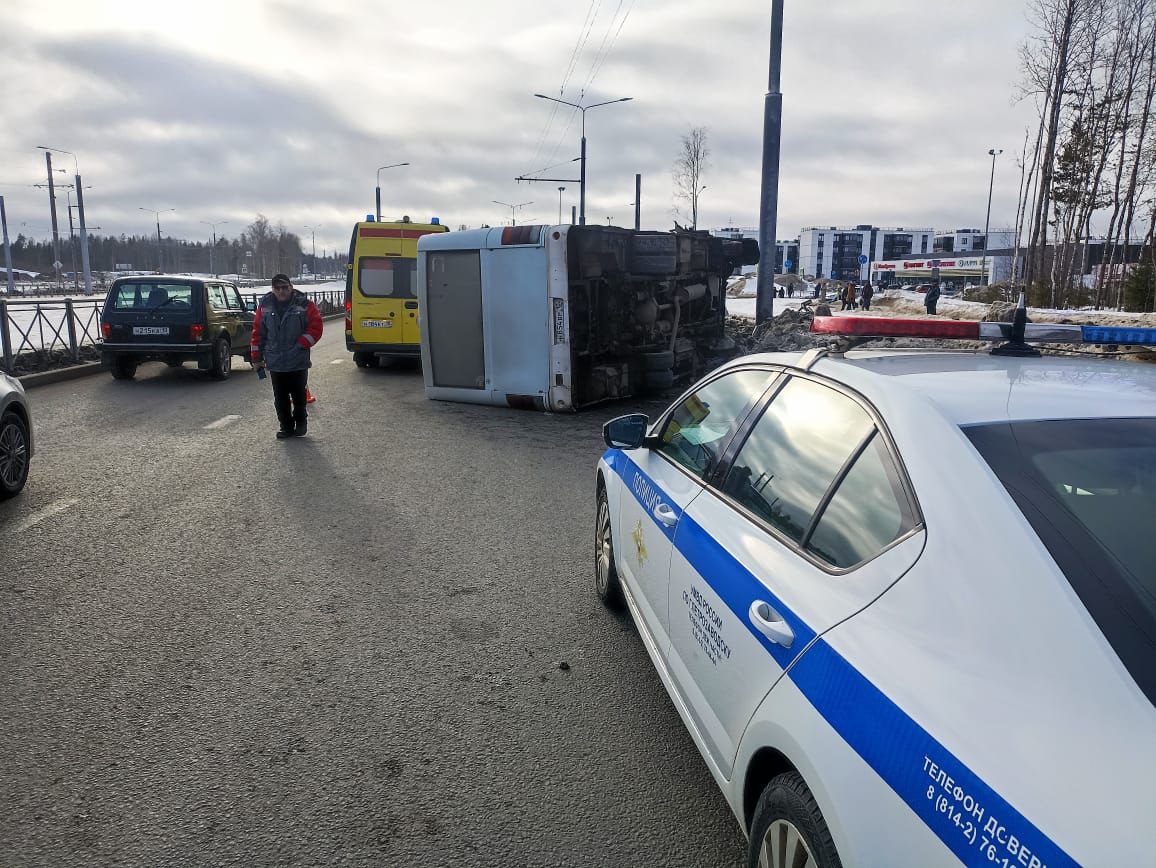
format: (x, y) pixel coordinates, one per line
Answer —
(788, 830)
(606, 579)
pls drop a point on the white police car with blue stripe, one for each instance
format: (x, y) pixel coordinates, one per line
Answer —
(905, 602)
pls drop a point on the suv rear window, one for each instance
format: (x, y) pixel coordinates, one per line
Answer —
(153, 296)
(1088, 488)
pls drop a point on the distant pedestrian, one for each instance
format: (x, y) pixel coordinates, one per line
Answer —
(931, 298)
(286, 327)
(866, 294)
(848, 296)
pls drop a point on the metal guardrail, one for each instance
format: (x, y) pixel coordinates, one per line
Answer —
(36, 334)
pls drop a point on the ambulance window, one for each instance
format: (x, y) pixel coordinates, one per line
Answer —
(386, 277)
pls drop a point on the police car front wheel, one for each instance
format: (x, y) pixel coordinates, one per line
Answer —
(606, 580)
(788, 828)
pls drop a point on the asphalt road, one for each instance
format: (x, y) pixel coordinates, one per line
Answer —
(378, 645)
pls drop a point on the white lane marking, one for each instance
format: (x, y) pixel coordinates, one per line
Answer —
(337, 361)
(222, 422)
(48, 511)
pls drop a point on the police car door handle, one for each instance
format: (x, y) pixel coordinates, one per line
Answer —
(665, 515)
(771, 624)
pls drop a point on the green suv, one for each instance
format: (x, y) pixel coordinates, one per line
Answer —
(174, 319)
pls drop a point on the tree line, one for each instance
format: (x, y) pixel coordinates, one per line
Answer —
(261, 251)
(1089, 169)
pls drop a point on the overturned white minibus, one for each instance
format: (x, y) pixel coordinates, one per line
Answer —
(562, 317)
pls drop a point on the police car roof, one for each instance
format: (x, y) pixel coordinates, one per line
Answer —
(971, 388)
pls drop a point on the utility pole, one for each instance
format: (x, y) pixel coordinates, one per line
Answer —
(313, 264)
(160, 254)
(212, 267)
(769, 197)
(637, 202)
(52, 203)
(513, 209)
(560, 191)
(7, 249)
(72, 242)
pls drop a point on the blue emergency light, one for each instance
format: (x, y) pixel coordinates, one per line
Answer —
(434, 221)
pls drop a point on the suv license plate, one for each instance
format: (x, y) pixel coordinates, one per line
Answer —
(150, 330)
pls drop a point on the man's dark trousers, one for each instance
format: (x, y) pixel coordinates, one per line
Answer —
(289, 397)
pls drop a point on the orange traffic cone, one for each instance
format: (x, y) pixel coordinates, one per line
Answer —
(310, 398)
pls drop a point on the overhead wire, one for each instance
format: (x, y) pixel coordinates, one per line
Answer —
(571, 65)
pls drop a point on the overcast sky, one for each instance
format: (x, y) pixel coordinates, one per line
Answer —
(222, 110)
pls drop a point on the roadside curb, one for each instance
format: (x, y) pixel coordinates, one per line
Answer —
(75, 372)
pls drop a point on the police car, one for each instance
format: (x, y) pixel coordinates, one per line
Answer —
(905, 602)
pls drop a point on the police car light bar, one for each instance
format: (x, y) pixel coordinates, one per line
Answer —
(901, 327)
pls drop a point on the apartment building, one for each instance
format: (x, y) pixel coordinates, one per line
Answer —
(835, 251)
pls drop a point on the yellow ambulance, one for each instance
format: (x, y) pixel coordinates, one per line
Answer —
(381, 313)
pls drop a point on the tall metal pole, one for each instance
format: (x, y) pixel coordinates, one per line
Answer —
(769, 199)
(560, 190)
(378, 208)
(7, 249)
(582, 177)
(72, 244)
(637, 202)
(52, 202)
(995, 152)
(84, 258)
(573, 215)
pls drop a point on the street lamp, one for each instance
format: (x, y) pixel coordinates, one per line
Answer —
(79, 209)
(560, 191)
(513, 209)
(582, 155)
(313, 236)
(391, 166)
(160, 262)
(212, 268)
(994, 152)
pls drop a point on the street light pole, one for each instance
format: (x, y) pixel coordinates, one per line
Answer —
(313, 236)
(983, 277)
(80, 213)
(7, 249)
(582, 156)
(513, 209)
(212, 249)
(769, 197)
(160, 259)
(391, 166)
(560, 189)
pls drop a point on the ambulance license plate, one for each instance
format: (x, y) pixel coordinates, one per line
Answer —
(377, 323)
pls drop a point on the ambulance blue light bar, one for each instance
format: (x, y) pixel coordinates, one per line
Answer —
(1048, 333)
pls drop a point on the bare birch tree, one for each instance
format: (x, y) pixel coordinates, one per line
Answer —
(689, 168)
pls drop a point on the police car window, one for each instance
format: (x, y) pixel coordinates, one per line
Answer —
(867, 512)
(1088, 489)
(794, 452)
(387, 277)
(698, 428)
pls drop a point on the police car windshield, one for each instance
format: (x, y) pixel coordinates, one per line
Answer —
(1088, 488)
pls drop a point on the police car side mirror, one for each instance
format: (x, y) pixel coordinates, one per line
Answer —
(626, 432)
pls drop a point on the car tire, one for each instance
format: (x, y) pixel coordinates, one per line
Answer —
(175, 363)
(606, 580)
(222, 360)
(365, 360)
(14, 457)
(662, 361)
(123, 367)
(788, 828)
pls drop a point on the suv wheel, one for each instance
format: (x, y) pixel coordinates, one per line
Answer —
(13, 454)
(123, 367)
(788, 828)
(222, 360)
